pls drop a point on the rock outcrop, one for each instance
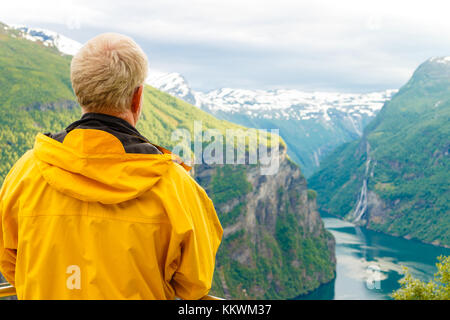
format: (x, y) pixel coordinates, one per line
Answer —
(275, 244)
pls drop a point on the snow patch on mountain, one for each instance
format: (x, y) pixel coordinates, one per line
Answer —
(292, 104)
(49, 38)
(444, 60)
(172, 83)
(275, 104)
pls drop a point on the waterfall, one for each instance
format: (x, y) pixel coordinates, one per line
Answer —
(362, 203)
(361, 206)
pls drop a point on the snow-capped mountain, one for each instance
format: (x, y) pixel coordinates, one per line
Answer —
(311, 123)
(292, 104)
(174, 84)
(50, 39)
(274, 104)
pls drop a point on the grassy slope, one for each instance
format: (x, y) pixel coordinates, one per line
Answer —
(39, 77)
(409, 142)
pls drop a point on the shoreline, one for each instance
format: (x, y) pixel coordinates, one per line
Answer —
(385, 233)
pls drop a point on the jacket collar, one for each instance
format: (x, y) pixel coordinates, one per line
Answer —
(112, 122)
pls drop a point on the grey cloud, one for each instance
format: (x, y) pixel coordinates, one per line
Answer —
(316, 45)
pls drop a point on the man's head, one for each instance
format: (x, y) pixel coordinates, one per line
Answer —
(108, 74)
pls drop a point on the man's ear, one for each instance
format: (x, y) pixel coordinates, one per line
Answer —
(136, 101)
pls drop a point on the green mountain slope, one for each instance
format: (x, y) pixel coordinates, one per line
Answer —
(395, 179)
(281, 256)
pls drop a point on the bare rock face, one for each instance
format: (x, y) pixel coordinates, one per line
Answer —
(275, 245)
(377, 208)
(53, 106)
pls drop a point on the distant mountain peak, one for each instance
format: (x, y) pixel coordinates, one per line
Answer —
(172, 83)
(168, 80)
(49, 38)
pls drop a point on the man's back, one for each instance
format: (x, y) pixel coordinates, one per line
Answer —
(91, 218)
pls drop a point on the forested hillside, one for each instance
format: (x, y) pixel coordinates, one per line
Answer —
(395, 179)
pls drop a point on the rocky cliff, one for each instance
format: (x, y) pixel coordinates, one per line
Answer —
(275, 244)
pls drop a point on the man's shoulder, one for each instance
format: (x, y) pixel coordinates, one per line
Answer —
(179, 177)
(176, 172)
(25, 163)
(22, 170)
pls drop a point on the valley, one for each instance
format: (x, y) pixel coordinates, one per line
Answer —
(395, 178)
(377, 161)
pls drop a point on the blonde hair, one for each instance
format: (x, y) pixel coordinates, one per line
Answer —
(106, 72)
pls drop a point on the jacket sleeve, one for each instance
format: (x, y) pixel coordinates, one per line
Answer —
(200, 239)
(8, 239)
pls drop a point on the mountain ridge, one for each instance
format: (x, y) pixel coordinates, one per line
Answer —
(311, 123)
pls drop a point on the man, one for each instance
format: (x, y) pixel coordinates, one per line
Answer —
(97, 211)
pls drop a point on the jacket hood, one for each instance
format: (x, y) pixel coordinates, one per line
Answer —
(92, 165)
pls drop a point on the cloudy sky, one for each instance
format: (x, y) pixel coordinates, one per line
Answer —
(350, 46)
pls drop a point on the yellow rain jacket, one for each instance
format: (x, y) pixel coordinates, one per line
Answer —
(83, 219)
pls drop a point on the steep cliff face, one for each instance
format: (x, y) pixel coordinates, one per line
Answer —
(275, 244)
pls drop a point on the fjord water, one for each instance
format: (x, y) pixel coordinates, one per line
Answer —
(363, 254)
